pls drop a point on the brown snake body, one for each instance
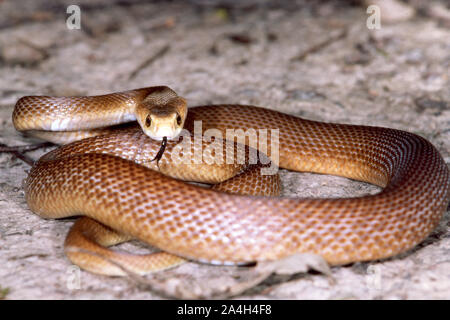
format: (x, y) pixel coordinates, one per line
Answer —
(90, 177)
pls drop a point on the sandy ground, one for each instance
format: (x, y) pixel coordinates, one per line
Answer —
(318, 61)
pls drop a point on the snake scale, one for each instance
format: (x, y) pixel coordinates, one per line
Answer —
(107, 179)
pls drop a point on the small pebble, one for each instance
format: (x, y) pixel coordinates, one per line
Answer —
(22, 54)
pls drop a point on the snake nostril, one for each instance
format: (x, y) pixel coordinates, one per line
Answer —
(148, 121)
(178, 119)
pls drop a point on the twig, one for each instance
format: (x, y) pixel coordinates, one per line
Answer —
(321, 45)
(43, 51)
(18, 155)
(32, 147)
(18, 151)
(149, 61)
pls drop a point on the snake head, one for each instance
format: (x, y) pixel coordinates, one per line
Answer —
(163, 119)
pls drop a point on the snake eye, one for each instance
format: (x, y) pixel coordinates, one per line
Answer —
(148, 121)
(178, 119)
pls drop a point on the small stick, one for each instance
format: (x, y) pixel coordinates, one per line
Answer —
(19, 155)
(319, 46)
(149, 61)
(5, 148)
(18, 151)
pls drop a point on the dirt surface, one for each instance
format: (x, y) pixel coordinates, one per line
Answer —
(317, 61)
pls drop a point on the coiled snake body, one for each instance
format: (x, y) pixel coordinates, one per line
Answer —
(105, 178)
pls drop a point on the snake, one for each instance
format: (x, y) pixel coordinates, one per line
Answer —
(104, 172)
